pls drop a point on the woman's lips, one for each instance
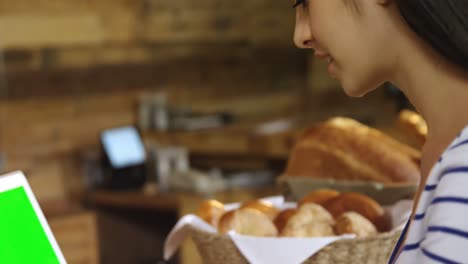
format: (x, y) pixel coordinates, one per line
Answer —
(330, 69)
(324, 56)
(321, 55)
(328, 58)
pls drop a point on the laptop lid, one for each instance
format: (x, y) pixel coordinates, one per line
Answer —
(25, 236)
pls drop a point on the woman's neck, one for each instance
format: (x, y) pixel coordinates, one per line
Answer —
(439, 91)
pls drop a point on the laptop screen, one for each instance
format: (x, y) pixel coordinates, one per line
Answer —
(124, 147)
(23, 239)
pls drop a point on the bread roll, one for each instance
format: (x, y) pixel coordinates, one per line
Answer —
(282, 219)
(344, 149)
(354, 223)
(310, 220)
(211, 211)
(312, 229)
(319, 197)
(265, 207)
(414, 125)
(361, 204)
(248, 222)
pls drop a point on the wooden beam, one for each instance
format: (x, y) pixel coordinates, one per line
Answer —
(32, 31)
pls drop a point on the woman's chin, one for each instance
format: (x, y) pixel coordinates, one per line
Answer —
(356, 89)
(353, 91)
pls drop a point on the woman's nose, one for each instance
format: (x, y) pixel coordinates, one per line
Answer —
(302, 34)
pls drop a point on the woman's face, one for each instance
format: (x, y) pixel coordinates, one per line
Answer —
(351, 38)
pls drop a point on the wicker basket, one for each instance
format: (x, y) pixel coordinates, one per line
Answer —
(216, 249)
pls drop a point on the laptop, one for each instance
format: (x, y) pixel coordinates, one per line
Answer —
(25, 236)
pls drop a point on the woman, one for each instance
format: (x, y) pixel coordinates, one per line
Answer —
(422, 47)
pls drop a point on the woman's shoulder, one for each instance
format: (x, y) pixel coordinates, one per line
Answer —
(449, 177)
(439, 230)
(444, 228)
(457, 152)
(460, 141)
(448, 181)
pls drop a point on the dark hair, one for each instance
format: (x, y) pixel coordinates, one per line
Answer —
(441, 23)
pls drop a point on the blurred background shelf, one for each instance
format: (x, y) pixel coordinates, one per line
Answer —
(230, 141)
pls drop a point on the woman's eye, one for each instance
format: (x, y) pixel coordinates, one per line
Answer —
(299, 2)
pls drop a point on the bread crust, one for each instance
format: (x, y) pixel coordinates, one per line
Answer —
(264, 207)
(282, 219)
(354, 223)
(361, 204)
(320, 197)
(211, 211)
(309, 220)
(344, 149)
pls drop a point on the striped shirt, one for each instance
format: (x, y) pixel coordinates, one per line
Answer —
(439, 230)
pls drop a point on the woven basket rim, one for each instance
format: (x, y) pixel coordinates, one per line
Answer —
(380, 236)
(217, 248)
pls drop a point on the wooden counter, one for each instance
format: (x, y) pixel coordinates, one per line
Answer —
(181, 202)
(134, 200)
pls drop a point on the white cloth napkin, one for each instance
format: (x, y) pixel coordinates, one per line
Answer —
(263, 250)
(181, 231)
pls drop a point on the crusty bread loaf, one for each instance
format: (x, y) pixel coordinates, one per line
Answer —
(342, 148)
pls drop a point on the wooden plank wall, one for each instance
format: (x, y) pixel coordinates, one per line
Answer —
(44, 137)
(76, 67)
(153, 21)
(71, 46)
(209, 69)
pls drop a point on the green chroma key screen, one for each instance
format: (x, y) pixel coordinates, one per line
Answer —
(22, 238)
